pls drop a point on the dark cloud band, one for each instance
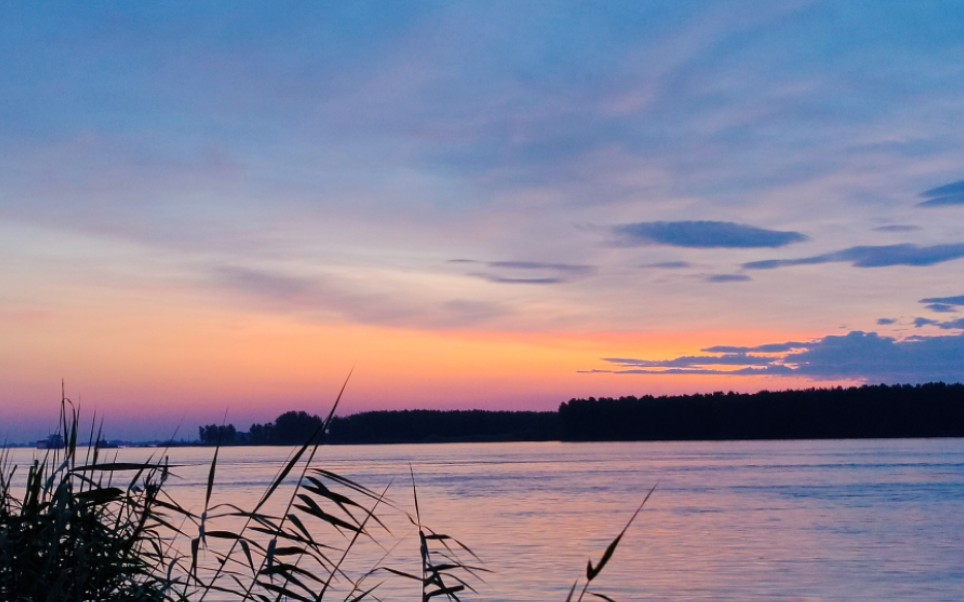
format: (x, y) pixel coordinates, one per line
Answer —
(862, 356)
(872, 257)
(703, 235)
(958, 300)
(724, 278)
(949, 194)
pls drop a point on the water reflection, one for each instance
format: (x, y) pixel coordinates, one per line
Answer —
(838, 520)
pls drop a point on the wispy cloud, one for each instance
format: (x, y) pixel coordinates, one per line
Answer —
(958, 300)
(322, 297)
(517, 280)
(957, 324)
(724, 278)
(872, 257)
(863, 356)
(949, 194)
(768, 348)
(941, 308)
(703, 235)
(526, 272)
(896, 228)
(695, 361)
(667, 265)
(942, 305)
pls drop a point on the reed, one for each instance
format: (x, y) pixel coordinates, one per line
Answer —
(87, 527)
(84, 528)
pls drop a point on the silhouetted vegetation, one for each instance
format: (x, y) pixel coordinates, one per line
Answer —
(217, 434)
(85, 527)
(433, 426)
(406, 426)
(290, 428)
(879, 411)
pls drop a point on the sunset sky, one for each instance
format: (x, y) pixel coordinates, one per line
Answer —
(222, 208)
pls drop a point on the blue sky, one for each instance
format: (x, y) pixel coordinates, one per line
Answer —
(744, 174)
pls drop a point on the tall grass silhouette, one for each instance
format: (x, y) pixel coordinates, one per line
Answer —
(86, 527)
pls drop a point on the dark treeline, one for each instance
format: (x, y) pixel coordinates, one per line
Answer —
(428, 426)
(290, 428)
(879, 411)
(406, 426)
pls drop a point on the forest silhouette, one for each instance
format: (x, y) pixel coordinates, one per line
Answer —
(870, 411)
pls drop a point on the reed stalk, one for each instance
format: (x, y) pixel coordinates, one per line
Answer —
(90, 528)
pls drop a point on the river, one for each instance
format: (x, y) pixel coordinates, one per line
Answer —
(791, 520)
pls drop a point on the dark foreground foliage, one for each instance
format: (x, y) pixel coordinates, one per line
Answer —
(89, 528)
(83, 529)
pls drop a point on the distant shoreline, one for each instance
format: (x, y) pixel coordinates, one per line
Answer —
(869, 412)
(933, 410)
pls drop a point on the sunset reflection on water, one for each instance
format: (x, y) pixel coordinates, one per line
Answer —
(797, 520)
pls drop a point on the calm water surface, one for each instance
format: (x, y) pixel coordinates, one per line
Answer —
(798, 520)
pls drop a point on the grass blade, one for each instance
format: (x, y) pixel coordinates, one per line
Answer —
(592, 572)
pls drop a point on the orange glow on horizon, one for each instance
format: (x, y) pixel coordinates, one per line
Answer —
(197, 363)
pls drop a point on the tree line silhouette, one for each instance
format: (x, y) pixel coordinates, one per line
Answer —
(290, 428)
(871, 411)
(437, 426)
(405, 426)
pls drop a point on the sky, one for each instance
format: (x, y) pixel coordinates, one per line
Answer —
(218, 211)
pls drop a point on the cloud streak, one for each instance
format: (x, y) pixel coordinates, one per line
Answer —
(703, 235)
(957, 324)
(324, 297)
(726, 278)
(862, 356)
(872, 257)
(942, 196)
(958, 300)
(667, 265)
(941, 308)
(897, 228)
(526, 272)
